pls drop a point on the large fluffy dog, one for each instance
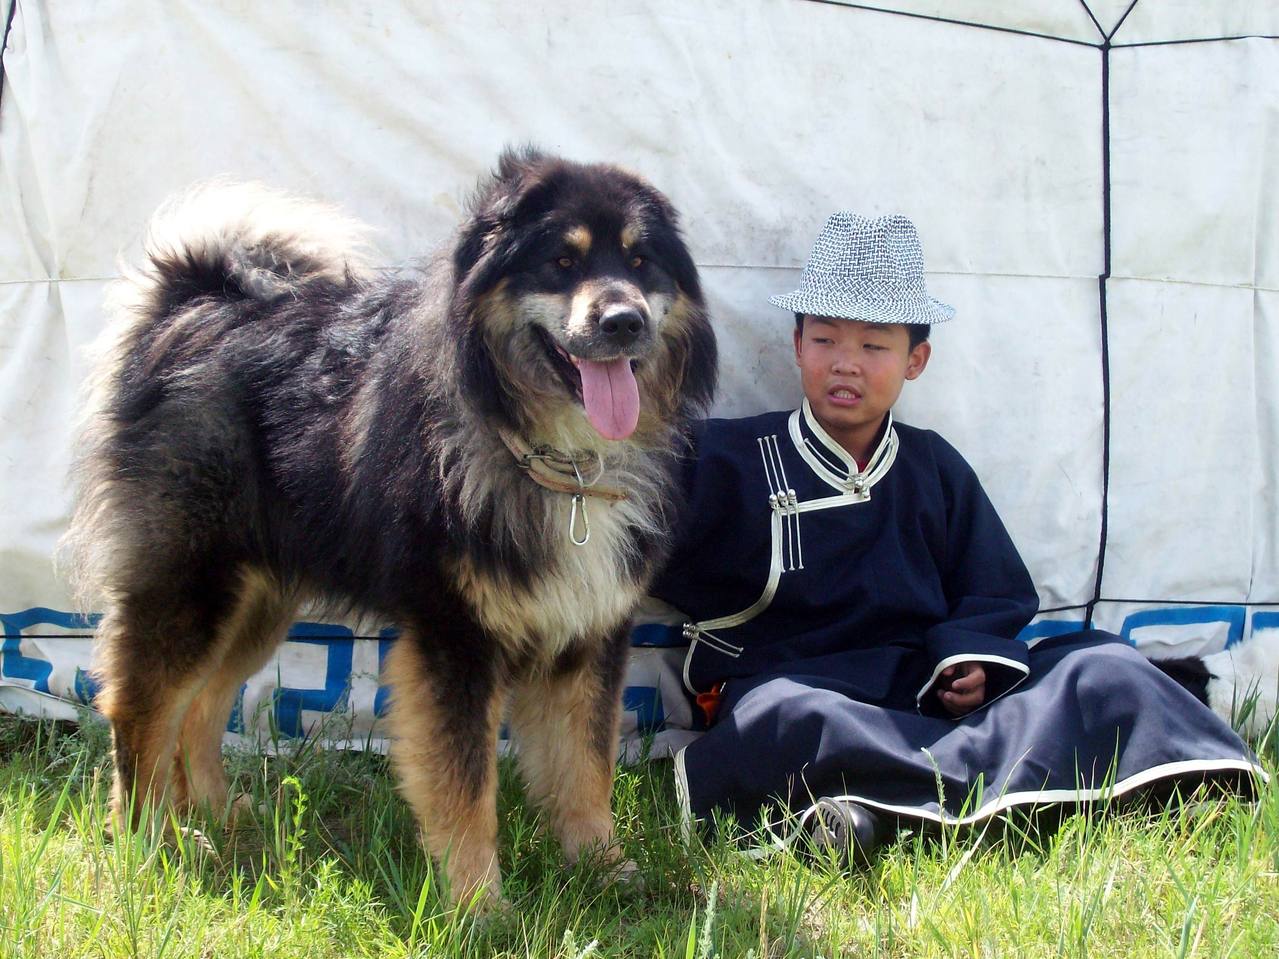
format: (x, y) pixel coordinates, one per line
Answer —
(481, 453)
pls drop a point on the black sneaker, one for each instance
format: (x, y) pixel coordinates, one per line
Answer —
(851, 831)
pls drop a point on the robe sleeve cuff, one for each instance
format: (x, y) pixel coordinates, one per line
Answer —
(1015, 677)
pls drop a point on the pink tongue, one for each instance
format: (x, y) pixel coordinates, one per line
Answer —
(611, 397)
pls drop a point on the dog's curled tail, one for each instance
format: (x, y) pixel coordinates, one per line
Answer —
(219, 241)
(240, 241)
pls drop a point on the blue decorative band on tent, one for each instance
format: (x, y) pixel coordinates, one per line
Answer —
(47, 652)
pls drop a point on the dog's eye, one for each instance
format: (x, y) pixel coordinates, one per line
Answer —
(565, 262)
(637, 261)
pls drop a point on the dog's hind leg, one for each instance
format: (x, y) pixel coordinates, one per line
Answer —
(446, 705)
(564, 722)
(248, 637)
(156, 647)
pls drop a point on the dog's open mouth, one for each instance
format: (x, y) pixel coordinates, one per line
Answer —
(607, 388)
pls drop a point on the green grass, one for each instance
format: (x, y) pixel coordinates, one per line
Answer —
(331, 868)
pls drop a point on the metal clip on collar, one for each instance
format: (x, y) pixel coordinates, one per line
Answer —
(579, 506)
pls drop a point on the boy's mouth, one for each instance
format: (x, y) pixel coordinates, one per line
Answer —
(844, 396)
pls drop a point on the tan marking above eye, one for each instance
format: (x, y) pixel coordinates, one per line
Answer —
(579, 237)
(630, 235)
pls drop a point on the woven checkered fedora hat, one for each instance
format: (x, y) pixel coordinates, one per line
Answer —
(870, 270)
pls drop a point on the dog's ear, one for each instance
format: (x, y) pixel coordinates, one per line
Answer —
(658, 205)
(525, 184)
(671, 251)
(471, 243)
(478, 375)
(517, 162)
(695, 355)
(669, 245)
(700, 367)
(520, 189)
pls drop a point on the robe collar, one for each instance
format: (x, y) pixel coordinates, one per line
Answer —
(835, 464)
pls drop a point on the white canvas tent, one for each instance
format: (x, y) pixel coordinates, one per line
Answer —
(1095, 183)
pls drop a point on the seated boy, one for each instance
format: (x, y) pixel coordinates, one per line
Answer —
(854, 601)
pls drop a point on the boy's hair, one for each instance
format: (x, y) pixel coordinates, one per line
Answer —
(918, 331)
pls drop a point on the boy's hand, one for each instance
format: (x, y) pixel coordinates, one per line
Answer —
(961, 688)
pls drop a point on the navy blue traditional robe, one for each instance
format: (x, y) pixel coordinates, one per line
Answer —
(823, 602)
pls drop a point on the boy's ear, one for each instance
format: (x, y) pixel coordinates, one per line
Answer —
(918, 359)
(799, 342)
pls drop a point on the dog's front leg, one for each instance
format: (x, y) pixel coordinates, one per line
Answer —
(446, 705)
(564, 721)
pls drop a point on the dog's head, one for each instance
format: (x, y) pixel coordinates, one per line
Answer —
(575, 302)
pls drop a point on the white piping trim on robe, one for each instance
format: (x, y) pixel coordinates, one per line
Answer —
(787, 553)
(782, 499)
(856, 483)
(1009, 800)
(974, 658)
(1002, 803)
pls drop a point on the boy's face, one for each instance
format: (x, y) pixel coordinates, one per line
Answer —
(853, 373)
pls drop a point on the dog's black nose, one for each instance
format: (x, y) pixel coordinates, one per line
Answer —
(622, 324)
